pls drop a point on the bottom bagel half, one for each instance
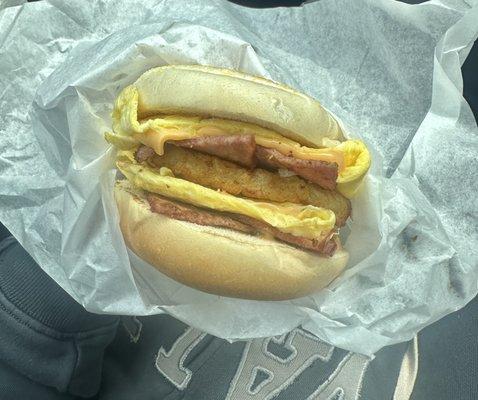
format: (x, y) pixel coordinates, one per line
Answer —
(221, 261)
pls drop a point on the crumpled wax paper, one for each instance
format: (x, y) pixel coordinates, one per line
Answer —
(388, 70)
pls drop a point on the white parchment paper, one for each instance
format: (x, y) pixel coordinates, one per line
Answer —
(389, 71)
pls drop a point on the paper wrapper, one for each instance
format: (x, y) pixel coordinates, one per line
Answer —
(389, 71)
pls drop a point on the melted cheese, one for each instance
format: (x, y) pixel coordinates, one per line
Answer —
(156, 131)
(351, 156)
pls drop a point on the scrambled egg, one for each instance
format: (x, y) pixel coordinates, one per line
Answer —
(351, 156)
(299, 220)
(357, 163)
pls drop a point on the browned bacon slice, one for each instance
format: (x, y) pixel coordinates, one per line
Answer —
(189, 213)
(322, 173)
(236, 148)
(186, 212)
(325, 245)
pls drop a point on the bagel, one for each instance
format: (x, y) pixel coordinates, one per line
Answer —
(233, 184)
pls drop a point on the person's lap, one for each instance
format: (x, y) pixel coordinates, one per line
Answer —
(42, 318)
(49, 344)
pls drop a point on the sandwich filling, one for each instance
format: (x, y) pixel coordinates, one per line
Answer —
(238, 176)
(185, 212)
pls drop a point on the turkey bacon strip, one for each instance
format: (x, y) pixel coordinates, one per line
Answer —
(322, 173)
(324, 245)
(240, 149)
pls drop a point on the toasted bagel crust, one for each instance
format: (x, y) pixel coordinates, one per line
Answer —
(223, 93)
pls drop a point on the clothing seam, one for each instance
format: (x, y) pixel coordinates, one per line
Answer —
(167, 354)
(56, 335)
(7, 305)
(6, 242)
(207, 359)
(75, 366)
